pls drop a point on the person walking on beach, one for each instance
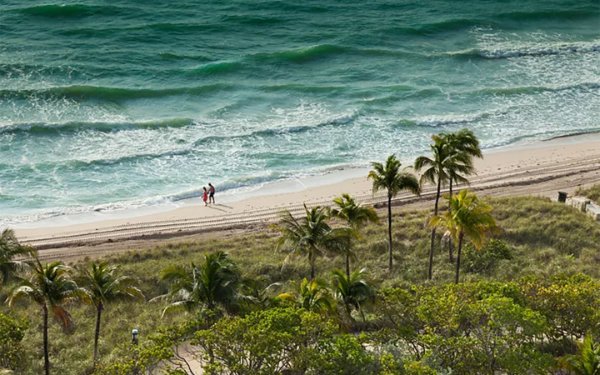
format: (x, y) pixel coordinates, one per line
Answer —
(205, 195)
(211, 193)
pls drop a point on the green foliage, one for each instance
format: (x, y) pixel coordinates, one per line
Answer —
(484, 260)
(587, 360)
(10, 250)
(311, 235)
(12, 352)
(342, 355)
(263, 342)
(213, 283)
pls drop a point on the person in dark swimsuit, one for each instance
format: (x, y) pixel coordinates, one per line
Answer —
(211, 193)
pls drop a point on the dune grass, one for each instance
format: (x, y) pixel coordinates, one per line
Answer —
(592, 192)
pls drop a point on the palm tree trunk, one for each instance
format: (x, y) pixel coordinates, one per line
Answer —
(390, 229)
(451, 243)
(460, 242)
(348, 266)
(46, 358)
(97, 333)
(311, 260)
(435, 212)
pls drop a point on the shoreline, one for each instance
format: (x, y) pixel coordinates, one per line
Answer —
(513, 164)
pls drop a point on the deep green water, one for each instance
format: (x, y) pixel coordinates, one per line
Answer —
(142, 102)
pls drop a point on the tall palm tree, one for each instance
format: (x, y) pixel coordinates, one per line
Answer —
(438, 170)
(10, 248)
(355, 215)
(389, 177)
(103, 285)
(466, 143)
(468, 218)
(310, 235)
(51, 287)
(215, 282)
(353, 291)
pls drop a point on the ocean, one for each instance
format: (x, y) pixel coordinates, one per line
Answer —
(109, 105)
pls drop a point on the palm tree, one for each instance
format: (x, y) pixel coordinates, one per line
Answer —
(10, 248)
(355, 215)
(353, 291)
(312, 295)
(213, 283)
(103, 286)
(51, 287)
(389, 177)
(310, 235)
(468, 218)
(466, 143)
(440, 168)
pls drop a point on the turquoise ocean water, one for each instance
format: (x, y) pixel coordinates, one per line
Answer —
(116, 104)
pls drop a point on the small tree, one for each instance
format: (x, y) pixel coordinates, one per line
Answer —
(389, 177)
(310, 235)
(103, 286)
(215, 282)
(353, 291)
(469, 217)
(355, 215)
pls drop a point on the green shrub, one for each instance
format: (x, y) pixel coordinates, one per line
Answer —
(484, 260)
(12, 352)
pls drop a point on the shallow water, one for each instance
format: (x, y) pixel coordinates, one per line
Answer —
(112, 106)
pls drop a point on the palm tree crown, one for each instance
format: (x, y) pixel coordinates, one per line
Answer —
(389, 177)
(10, 248)
(468, 218)
(213, 283)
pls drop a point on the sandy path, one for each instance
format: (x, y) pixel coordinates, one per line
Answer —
(540, 169)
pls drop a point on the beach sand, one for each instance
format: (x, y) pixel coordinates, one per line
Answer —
(540, 169)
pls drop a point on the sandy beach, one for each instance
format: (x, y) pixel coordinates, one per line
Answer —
(540, 169)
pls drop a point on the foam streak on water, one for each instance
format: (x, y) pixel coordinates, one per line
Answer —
(112, 106)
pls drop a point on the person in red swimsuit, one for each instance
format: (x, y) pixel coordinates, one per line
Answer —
(205, 195)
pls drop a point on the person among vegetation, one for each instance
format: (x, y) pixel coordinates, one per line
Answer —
(211, 193)
(205, 196)
(389, 177)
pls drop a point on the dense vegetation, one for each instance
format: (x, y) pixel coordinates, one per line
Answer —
(320, 294)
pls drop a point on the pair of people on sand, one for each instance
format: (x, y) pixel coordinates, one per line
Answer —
(208, 196)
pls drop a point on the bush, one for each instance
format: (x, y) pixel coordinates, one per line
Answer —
(484, 260)
(12, 332)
